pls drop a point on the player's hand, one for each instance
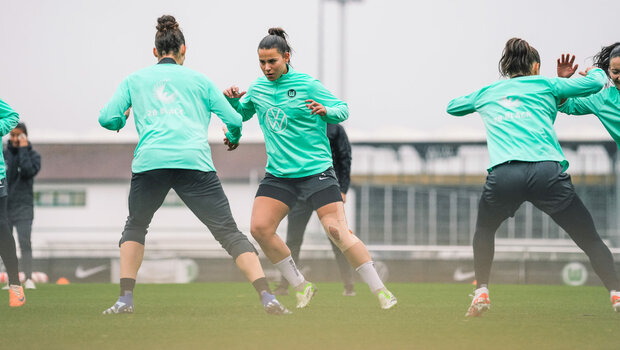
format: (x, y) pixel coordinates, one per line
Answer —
(584, 73)
(565, 66)
(316, 108)
(231, 146)
(344, 197)
(127, 113)
(233, 92)
(22, 140)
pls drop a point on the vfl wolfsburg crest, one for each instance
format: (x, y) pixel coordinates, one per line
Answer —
(276, 119)
(292, 93)
(574, 274)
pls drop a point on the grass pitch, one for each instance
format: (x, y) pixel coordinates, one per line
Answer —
(229, 316)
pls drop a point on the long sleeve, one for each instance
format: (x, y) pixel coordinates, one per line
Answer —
(243, 106)
(8, 118)
(463, 105)
(580, 87)
(112, 116)
(29, 162)
(337, 111)
(341, 154)
(578, 106)
(226, 113)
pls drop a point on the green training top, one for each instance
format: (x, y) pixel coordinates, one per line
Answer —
(296, 141)
(172, 108)
(8, 121)
(605, 105)
(519, 113)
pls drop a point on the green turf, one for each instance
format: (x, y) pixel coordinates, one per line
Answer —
(229, 316)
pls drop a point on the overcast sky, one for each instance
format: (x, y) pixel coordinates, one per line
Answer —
(62, 60)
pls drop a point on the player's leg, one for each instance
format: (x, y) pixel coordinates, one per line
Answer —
(24, 231)
(330, 210)
(9, 255)
(503, 193)
(202, 192)
(487, 223)
(577, 222)
(346, 272)
(298, 218)
(556, 196)
(146, 194)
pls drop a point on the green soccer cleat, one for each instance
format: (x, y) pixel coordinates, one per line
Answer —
(304, 297)
(387, 300)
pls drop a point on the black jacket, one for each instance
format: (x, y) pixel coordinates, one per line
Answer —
(22, 164)
(341, 154)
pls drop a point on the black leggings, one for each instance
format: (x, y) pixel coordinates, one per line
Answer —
(575, 220)
(7, 244)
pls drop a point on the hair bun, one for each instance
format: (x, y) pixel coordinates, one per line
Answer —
(277, 31)
(166, 22)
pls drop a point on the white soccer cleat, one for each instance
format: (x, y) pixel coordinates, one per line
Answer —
(29, 284)
(615, 301)
(304, 297)
(480, 303)
(387, 300)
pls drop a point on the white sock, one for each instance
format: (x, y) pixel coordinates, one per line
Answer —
(370, 276)
(289, 270)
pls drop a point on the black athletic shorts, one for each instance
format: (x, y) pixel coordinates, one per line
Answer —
(544, 184)
(319, 189)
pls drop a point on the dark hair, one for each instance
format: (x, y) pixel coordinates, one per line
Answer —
(603, 58)
(22, 126)
(276, 38)
(169, 38)
(517, 58)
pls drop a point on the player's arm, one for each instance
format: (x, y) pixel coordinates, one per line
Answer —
(244, 107)
(115, 113)
(229, 116)
(8, 118)
(463, 105)
(591, 83)
(579, 105)
(323, 103)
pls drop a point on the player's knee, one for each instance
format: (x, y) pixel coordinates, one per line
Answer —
(261, 231)
(341, 237)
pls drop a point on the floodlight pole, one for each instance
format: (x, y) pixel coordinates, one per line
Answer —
(343, 51)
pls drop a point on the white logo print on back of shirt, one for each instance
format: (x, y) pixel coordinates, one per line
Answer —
(161, 94)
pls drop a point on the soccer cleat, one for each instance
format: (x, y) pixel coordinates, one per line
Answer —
(615, 301)
(480, 303)
(281, 289)
(275, 308)
(17, 297)
(304, 297)
(29, 284)
(348, 291)
(6, 287)
(119, 308)
(386, 299)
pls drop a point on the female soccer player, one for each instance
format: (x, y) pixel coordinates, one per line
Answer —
(293, 110)
(605, 104)
(527, 163)
(172, 108)
(8, 120)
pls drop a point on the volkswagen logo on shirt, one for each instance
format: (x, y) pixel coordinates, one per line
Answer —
(276, 119)
(292, 93)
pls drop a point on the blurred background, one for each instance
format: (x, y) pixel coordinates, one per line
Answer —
(417, 173)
